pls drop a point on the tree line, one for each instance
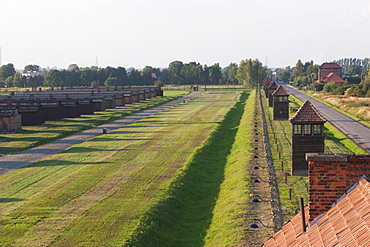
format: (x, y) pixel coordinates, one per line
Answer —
(248, 73)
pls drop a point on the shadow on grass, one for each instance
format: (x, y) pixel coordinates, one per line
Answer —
(185, 215)
(45, 163)
(5, 200)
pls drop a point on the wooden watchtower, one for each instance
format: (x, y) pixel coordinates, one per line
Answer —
(266, 83)
(271, 89)
(280, 104)
(307, 136)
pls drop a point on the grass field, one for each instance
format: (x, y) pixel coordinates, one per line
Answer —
(32, 136)
(98, 193)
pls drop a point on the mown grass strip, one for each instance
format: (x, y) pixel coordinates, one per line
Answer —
(184, 216)
(32, 136)
(228, 223)
(95, 193)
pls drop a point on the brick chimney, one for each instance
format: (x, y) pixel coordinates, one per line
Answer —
(66, 96)
(9, 100)
(51, 97)
(32, 97)
(92, 92)
(330, 176)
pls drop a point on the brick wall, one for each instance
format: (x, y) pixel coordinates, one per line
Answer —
(330, 176)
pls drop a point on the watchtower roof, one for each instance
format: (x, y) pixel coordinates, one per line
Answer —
(280, 91)
(307, 113)
(273, 86)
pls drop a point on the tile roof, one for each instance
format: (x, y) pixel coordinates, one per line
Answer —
(330, 66)
(280, 91)
(346, 223)
(307, 114)
(267, 81)
(332, 77)
(273, 85)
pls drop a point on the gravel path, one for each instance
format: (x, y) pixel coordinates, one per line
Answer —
(11, 162)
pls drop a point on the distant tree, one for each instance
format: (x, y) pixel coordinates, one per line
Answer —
(284, 75)
(32, 67)
(158, 83)
(53, 79)
(148, 79)
(330, 87)
(135, 78)
(112, 81)
(6, 71)
(192, 73)
(231, 74)
(354, 70)
(250, 72)
(174, 73)
(19, 80)
(298, 69)
(215, 74)
(87, 76)
(9, 81)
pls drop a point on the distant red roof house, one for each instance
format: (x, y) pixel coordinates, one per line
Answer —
(330, 72)
(346, 223)
(332, 77)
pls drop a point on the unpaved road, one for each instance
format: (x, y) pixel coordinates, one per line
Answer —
(11, 162)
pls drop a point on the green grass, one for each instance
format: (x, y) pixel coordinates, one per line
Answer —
(96, 193)
(205, 203)
(32, 136)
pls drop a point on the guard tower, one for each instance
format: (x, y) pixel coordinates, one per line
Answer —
(280, 104)
(266, 83)
(271, 89)
(307, 136)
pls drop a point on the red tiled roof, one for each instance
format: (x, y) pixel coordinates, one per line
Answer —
(332, 77)
(330, 66)
(346, 223)
(280, 91)
(307, 114)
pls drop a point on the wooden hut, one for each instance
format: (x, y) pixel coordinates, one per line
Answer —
(31, 114)
(10, 120)
(271, 89)
(71, 108)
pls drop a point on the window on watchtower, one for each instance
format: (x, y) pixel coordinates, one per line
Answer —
(307, 129)
(297, 129)
(317, 129)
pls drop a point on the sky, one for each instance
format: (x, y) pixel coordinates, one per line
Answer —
(136, 33)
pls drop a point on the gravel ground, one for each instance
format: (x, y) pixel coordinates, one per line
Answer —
(11, 162)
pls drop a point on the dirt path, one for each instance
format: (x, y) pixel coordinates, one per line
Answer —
(11, 162)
